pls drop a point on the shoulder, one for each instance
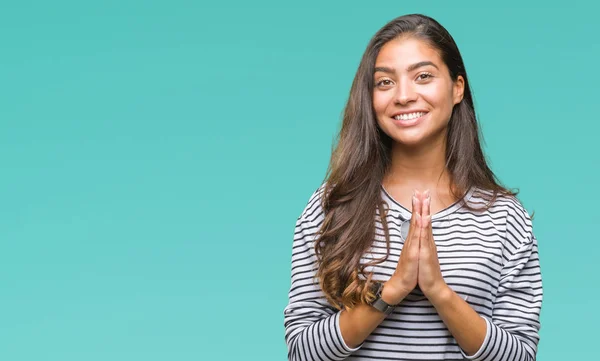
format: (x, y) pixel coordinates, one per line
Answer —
(308, 225)
(312, 216)
(509, 204)
(511, 212)
(313, 207)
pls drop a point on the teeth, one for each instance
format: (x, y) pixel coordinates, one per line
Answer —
(408, 116)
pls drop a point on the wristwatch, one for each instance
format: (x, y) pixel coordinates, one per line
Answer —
(380, 304)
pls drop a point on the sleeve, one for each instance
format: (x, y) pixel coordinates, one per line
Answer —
(513, 330)
(312, 325)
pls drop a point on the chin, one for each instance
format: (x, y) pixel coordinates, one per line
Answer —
(412, 143)
(416, 136)
(408, 138)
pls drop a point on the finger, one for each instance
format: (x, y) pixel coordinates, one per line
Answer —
(430, 226)
(419, 208)
(427, 229)
(427, 210)
(418, 213)
(431, 240)
(414, 225)
(426, 237)
(418, 234)
(422, 196)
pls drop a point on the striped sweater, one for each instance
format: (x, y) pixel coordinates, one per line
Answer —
(489, 258)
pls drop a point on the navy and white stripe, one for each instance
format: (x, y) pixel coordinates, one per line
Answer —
(490, 258)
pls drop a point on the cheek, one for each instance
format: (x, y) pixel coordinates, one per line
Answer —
(440, 97)
(380, 102)
(433, 97)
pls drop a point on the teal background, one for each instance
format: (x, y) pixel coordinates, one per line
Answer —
(155, 157)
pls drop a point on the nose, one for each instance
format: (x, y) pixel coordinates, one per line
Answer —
(405, 92)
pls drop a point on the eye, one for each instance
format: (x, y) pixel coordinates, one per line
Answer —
(383, 82)
(424, 76)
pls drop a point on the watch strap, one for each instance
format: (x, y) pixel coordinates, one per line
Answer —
(382, 306)
(379, 303)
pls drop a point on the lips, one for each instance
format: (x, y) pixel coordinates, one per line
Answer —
(409, 122)
(410, 111)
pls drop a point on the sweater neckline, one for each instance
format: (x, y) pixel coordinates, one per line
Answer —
(407, 214)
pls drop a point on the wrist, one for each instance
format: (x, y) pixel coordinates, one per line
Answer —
(391, 295)
(440, 295)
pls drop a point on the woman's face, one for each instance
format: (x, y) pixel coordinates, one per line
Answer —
(413, 95)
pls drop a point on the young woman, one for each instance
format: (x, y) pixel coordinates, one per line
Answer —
(411, 250)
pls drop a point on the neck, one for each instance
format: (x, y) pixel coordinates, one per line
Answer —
(419, 168)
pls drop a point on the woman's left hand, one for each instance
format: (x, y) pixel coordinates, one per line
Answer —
(430, 278)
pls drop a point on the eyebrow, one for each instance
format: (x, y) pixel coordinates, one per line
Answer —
(410, 68)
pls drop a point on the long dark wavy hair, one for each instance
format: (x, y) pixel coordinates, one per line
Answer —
(362, 156)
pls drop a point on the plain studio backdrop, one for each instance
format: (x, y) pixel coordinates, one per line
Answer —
(156, 154)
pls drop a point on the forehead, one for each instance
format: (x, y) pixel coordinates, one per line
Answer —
(406, 51)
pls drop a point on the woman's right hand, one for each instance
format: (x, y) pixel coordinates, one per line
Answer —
(404, 279)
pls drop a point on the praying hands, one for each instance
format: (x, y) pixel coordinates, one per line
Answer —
(418, 263)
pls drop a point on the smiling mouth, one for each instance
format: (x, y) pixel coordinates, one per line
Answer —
(409, 116)
(409, 119)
